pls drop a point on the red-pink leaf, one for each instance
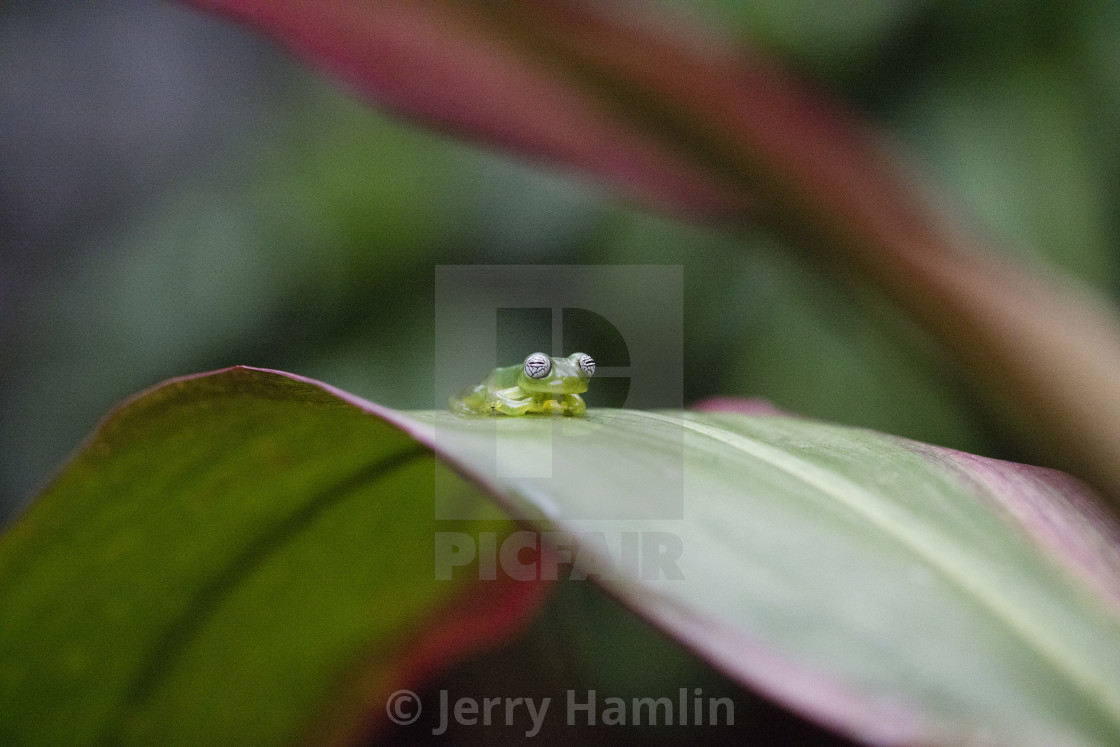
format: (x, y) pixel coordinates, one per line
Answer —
(741, 405)
(443, 64)
(684, 122)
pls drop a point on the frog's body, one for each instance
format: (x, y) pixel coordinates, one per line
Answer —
(542, 385)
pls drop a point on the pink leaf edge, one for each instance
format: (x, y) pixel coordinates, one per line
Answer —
(740, 405)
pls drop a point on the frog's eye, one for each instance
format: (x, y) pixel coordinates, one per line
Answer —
(586, 364)
(537, 366)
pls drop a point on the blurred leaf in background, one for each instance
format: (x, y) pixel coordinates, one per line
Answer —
(302, 235)
(178, 195)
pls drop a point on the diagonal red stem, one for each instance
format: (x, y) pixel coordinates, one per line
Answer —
(683, 123)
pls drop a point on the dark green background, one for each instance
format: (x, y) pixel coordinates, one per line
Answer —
(176, 195)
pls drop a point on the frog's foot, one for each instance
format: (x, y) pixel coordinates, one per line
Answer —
(470, 401)
(574, 405)
(507, 402)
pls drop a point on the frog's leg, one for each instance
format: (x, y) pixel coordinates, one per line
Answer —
(573, 404)
(470, 401)
(544, 405)
(512, 401)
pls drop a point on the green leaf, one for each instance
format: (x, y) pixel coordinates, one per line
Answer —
(236, 557)
(895, 591)
(233, 559)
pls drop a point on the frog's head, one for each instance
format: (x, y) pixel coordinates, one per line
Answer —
(544, 374)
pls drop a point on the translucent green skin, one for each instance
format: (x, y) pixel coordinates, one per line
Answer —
(508, 391)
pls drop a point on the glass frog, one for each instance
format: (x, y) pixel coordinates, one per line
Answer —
(542, 385)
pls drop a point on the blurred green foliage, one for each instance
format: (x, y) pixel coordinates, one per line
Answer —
(309, 245)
